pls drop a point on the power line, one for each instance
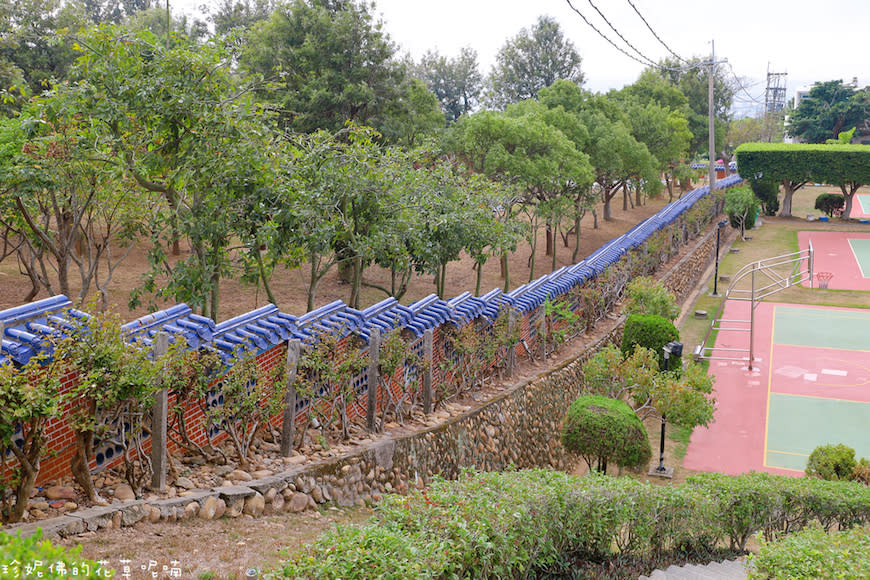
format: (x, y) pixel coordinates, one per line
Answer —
(613, 28)
(755, 100)
(649, 62)
(602, 35)
(636, 11)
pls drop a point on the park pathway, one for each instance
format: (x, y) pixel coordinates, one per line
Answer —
(727, 570)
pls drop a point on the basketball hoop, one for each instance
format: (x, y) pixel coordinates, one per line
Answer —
(823, 278)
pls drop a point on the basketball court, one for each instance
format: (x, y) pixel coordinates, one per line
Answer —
(809, 386)
(861, 206)
(845, 255)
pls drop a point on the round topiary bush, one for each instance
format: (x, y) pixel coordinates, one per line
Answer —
(829, 203)
(650, 331)
(601, 429)
(831, 462)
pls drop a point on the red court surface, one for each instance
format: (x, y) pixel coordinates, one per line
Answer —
(834, 253)
(796, 396)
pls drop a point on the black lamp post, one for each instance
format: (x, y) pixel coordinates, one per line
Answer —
(672, 348)
(721, 225)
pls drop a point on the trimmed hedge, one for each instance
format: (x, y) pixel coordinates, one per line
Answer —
(830, 202)
(832, 164)
(37, 558)
(603, 429)
(814, 553)
(516, 524)
(650, 331)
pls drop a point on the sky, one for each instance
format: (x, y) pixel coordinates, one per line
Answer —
(810, 41)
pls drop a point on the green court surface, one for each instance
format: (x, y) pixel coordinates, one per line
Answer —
(861, 249)
(796, 425)
(864, 201)
(843, 329)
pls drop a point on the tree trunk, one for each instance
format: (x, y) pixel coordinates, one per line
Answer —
(594, 219)
(479, 278)
(576, 255)
(506, 272)
(550, 241)
(534, 243)
(554, 255)
(624, 197)
(356, 282)
(79, 464)
(849, 196)
(261, 269)
(638, 196)
(607, 199)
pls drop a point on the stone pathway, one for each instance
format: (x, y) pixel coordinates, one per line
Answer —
(727, 570)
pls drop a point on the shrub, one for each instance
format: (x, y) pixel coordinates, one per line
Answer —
(861, 473)
(648, 296)
(813, 553)
(830, 202)
(39, 559)
(831, 462)
(602, 429)
(767, 192)
(650, 331)
(741, 205)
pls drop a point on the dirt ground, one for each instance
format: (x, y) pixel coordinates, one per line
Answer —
(290, 287)
(235, 546)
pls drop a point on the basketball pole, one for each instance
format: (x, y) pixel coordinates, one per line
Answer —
(752, 320)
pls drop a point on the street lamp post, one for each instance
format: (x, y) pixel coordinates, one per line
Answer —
(721, 225)
(672, 348)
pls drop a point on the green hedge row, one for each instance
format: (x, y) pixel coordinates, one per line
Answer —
(814, 553)
(495, 525)
(33, 557)
(832, 164)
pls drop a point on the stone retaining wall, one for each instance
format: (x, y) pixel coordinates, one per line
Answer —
(518, 427)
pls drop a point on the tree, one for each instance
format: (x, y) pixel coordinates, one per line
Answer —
(601, 429)
(413, 115)
(692, 78)
(66, 210)
(685, 397)
(233, 14)
(741, 205)
(334, 61)
(532, 60)
(33, 42)
(456, 82)
(830, 107)
(798, 164)
(28, 401)
(177, 124)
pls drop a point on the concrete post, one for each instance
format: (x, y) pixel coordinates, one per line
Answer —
(159, 420)
(288, 426)
(374, 362)
(427, 371)
(512, 348)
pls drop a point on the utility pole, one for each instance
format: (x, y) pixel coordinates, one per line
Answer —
(711, 124)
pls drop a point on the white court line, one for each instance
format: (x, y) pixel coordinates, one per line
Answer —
(834, 372)
(811, 377)
(857, 261)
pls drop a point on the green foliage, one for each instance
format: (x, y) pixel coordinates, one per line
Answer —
(28, 401)
(649, 331)
(648, 296)
(540, 522)
(829, 203)
(831, 462)
(828, 110)
(601, 429)
(767, 192)
(532, 60)
(33, 557)
(814, 553)
(335, 60)
(741, 206)
(456, 82)
(861, 473)
(251, 396)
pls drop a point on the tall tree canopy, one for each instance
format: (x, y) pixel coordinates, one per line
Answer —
(532, 60)
(456, 81)
(830, 108)
(692, 79)
(334, 60)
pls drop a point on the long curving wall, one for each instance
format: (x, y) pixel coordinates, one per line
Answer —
(25, 330)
